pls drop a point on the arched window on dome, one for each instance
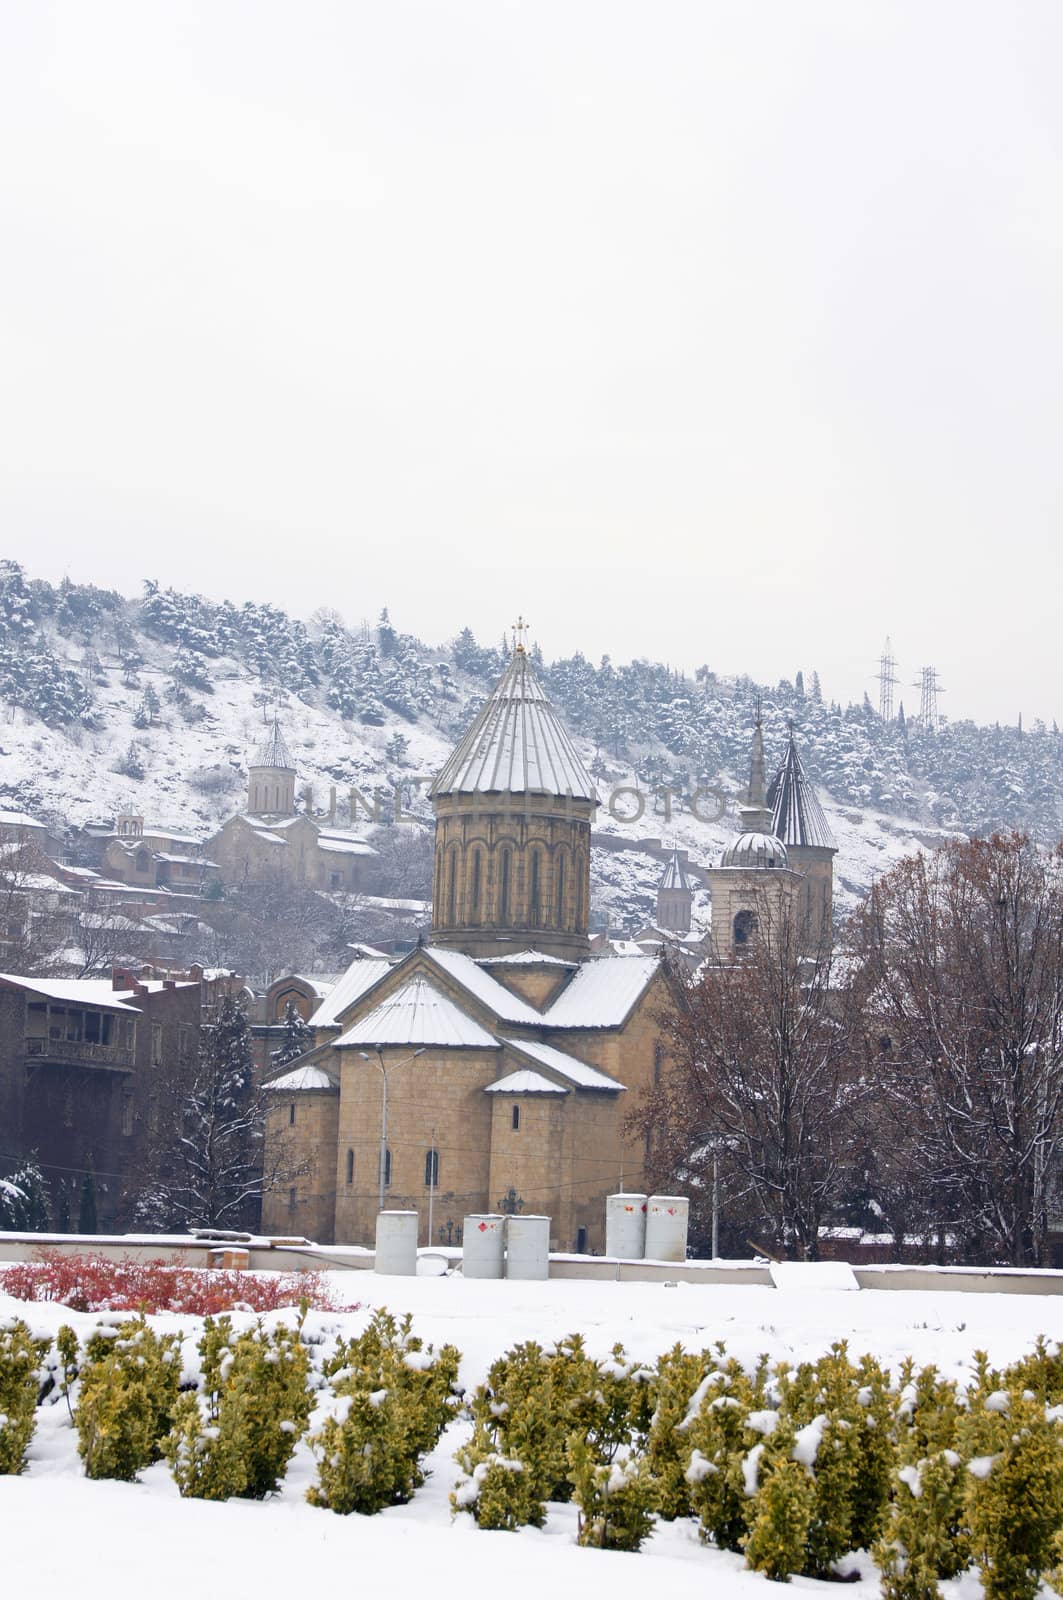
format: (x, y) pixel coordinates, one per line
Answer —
(503, 887)
(559, 887)
(745, 929)
(452, 888)
(535, 910)
(475, 885)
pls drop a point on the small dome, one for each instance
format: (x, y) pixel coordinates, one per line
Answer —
(755, 850)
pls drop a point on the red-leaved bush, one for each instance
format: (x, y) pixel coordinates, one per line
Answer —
(90, 1283)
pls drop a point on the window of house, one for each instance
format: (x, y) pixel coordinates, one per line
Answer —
(184, 1042)
(387, 1168)
(350, 1168)
(92, 1027)
(581, 1241)
(516, 1116)
(658, 1057)
(75, 1024)
(127, 1112)
(156, 1044)
(291, 1199)
(291, 1114)
(745, 928)
(431, 1169)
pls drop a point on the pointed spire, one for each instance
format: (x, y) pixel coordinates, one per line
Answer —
(755, 815)
(674, 876)
(797, 816)
(518, 743)
(273, 752)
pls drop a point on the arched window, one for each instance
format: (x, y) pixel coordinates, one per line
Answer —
(474, 887)
(503, 888)
(516, 1117)
(431, 1169)
(559, 874)
(350, 1168)
(452, 889)
(534, 907)
(387, 1168)
(291, 1114)
(745, 928)
(658, 1057)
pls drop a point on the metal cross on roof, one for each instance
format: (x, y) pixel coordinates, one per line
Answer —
(520, 628)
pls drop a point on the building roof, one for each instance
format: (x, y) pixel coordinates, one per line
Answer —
(72, 991)
(798, 816)
(527, 958)
(754, 850)
(499, 1000)
(517, 745)
(418, 1014)
(674, 876)
(602, 993)
(566, 1066)
(337, 844)
(359, 978)
(20, 819)
(524, 1081)
(308, 1077)
(273, 752)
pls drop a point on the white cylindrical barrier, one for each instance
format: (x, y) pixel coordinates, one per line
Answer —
(482, 1246)
(528, 1247)
(625, 1226)
(396, 1243)
(666, 1227)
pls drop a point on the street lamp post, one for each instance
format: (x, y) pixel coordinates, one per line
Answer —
(383, 1164)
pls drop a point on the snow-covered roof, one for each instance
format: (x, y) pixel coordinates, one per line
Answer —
(273, 752)
(322, 983)
(352, 846)
(755, 850)
(798, 816)
(170, 836)
(494, 995)
(344, 835)
(602, 993)
(566, 1066)
(191, 861)
(517, 745)
(356, 981)
(42, 880)
(20, 819)
(526, 958)
(71, 991)
(418, 1014)
(308, 1077)
(524, 1081)
(674, 876)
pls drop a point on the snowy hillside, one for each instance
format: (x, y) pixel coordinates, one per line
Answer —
(110, 703)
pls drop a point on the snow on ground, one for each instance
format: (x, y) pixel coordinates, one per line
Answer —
(61, 1534)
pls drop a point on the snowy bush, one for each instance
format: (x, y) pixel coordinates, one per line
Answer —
(20, 1357)
(667, 1447)
(616, 1499)
(127, 1393)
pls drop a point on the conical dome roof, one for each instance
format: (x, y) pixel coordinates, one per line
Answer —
(273, 752)
(517, 745)
(797, 816)
(755, 850)
(674, 876)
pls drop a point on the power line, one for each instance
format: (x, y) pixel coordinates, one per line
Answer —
(887, 677)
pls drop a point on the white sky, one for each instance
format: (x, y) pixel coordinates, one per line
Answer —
(707, 331)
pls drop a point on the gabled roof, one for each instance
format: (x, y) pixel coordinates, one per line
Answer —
(566, 1066)
(526, 958)
(517, 745)
(524, 1081)
(602, 993)
(359, 978)
(308, 1077)
(273, 752)
(418, 1014)
(798, 816)
(675, 876)
(72, 991)
(508, 1007)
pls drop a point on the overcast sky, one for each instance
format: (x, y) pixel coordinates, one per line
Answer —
(725, 333)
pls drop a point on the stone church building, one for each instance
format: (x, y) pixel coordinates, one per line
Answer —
(492, 1068)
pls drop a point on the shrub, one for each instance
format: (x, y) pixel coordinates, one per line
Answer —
(776, 1541)
(20, 1356)
(394, 1398)
(237, 1437)
(497, 1491)
(667, 1446)
(91, 1283)
(1013, 1497)
(616, 1499)
(128, 1386)
(921, 1534)
(726, 1423)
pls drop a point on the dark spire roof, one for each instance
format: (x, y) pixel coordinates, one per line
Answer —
(273, 752)
(675, 874)
(755, 814)
(517, 745)
(799, 818)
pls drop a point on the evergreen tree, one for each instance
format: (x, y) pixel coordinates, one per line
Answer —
(386, 636)
(24, 1199)
(298, 1037)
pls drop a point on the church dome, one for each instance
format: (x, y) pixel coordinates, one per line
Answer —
(755, 850)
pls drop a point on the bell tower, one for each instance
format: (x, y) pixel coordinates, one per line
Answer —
(271, 777)
(514, 805)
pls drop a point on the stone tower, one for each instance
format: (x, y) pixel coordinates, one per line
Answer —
(513, 805)
(754, 878)
(271, 778)
(675, 896)
(799, 821)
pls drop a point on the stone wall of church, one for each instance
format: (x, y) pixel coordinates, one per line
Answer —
(301, 1130)
(817, 889)
(512, 877)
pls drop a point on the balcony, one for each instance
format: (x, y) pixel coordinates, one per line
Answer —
(81, 1053)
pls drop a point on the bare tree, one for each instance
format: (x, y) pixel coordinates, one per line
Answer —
(36, 919)
(759, 1079)
(959, 961)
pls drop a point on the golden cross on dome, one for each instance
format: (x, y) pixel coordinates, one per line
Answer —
(520, 628)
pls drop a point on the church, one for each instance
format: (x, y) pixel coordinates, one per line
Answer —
(492, 1068)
